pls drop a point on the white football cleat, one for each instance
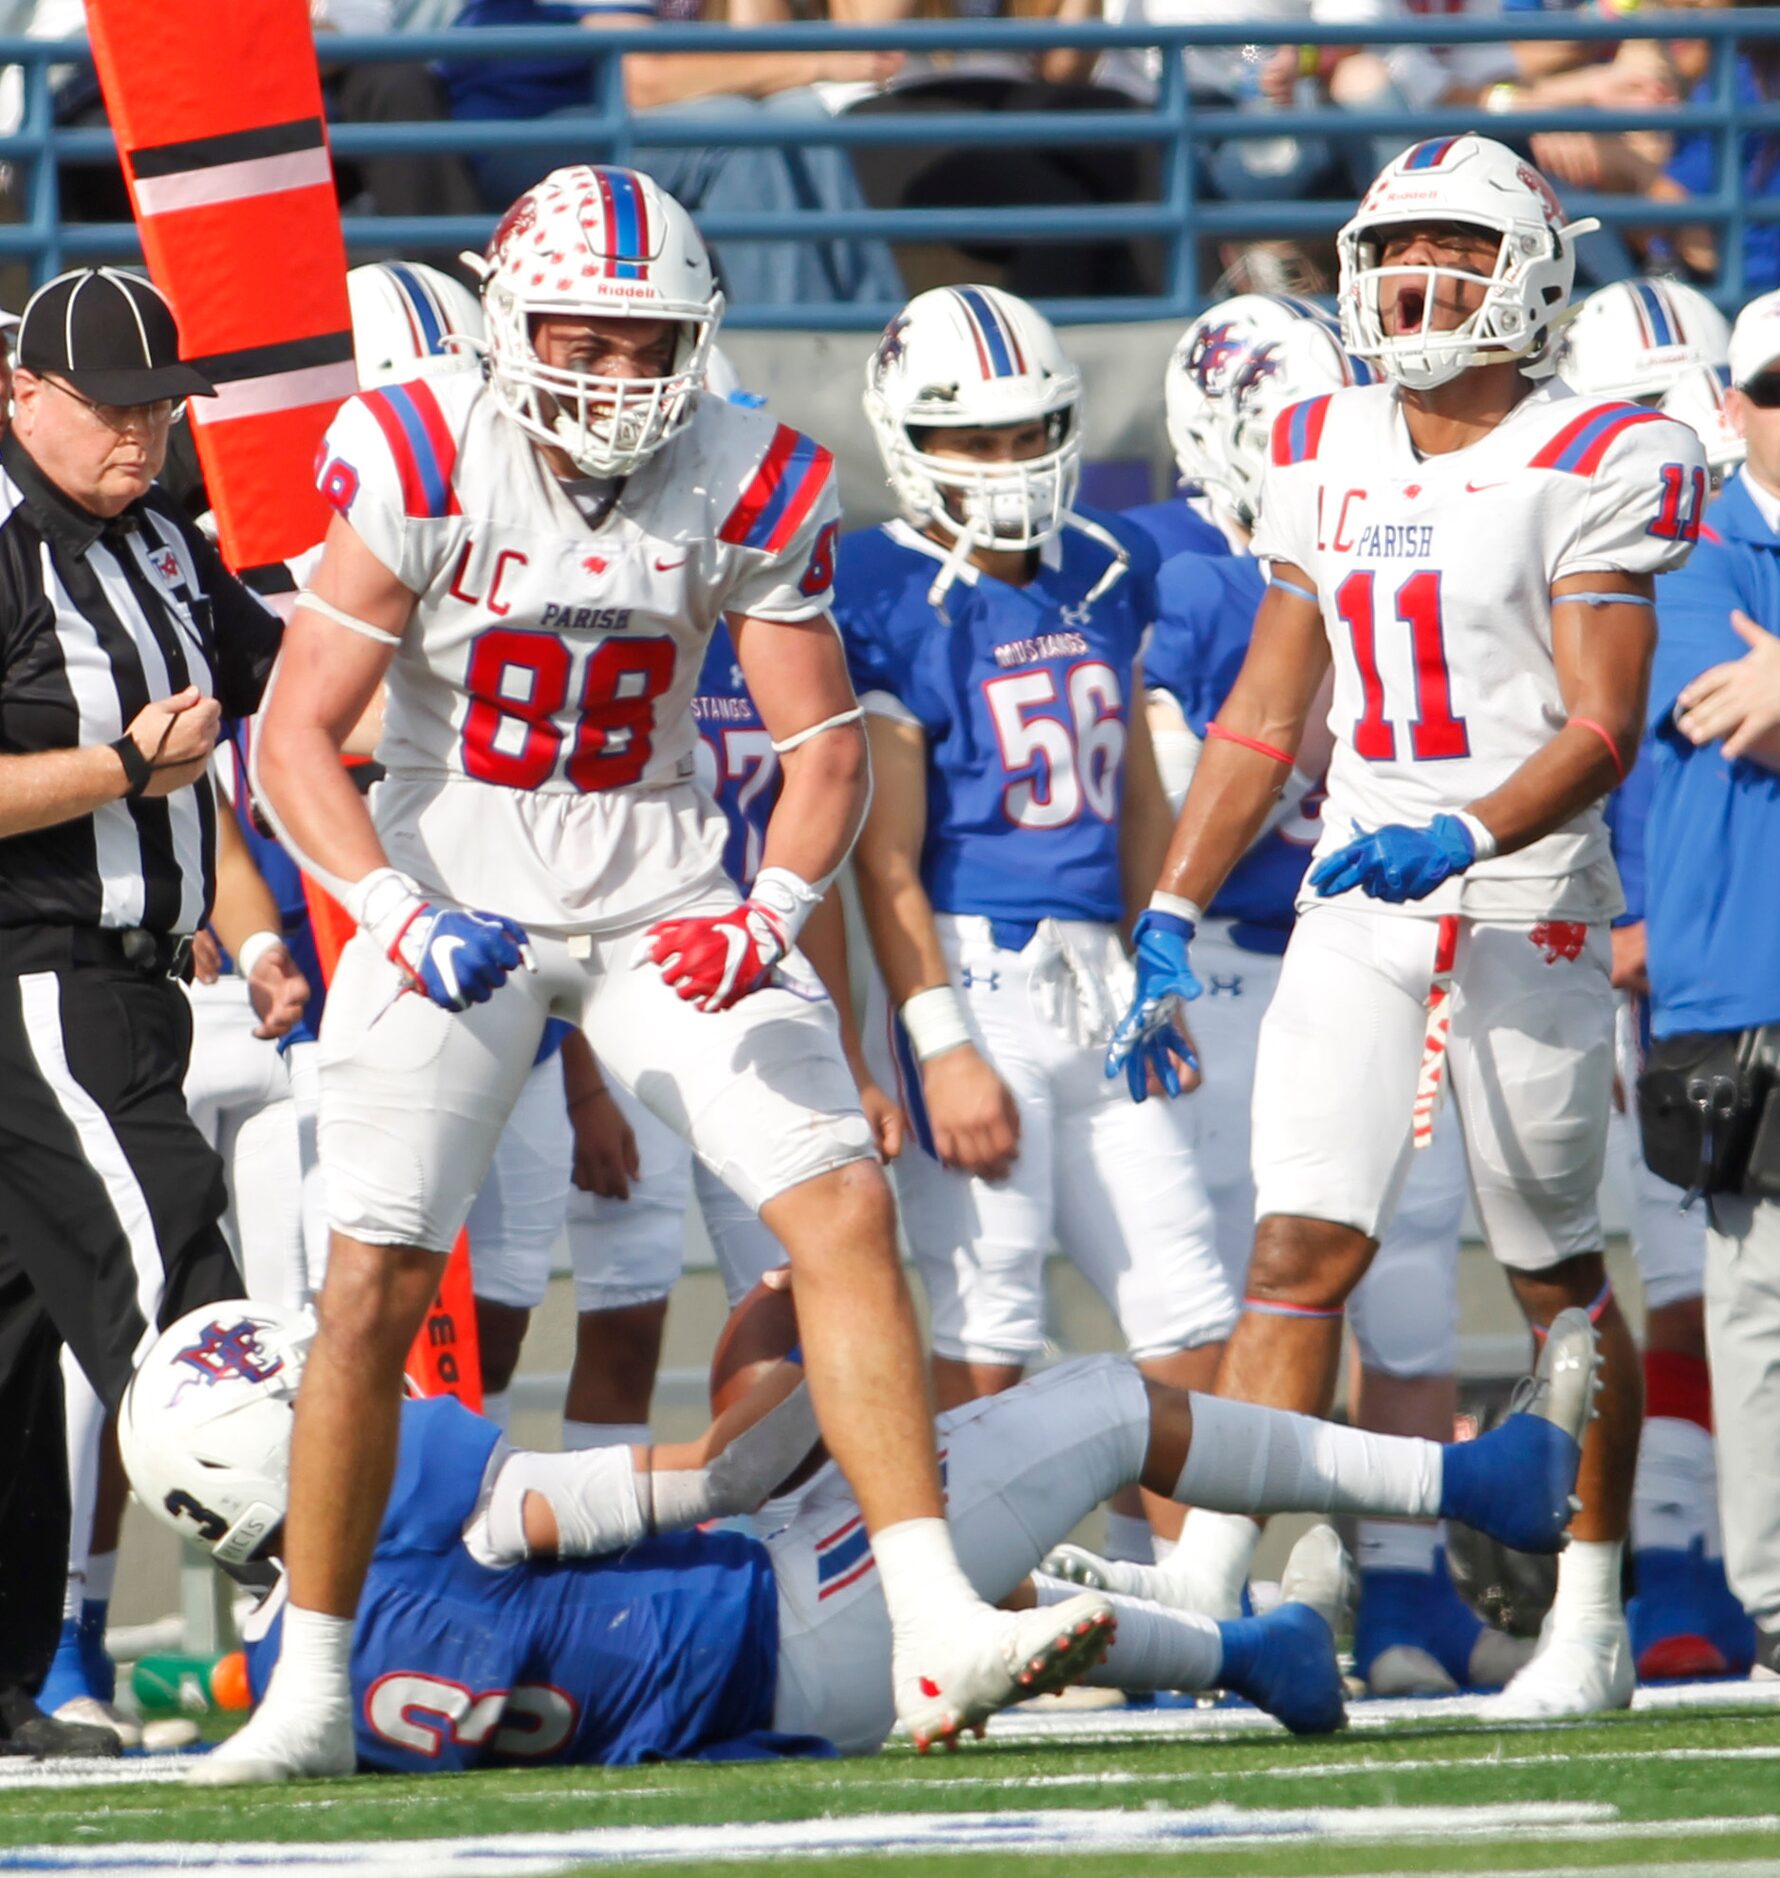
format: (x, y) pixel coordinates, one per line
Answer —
(1320, 1573)
(1173, 1585)
(1583, 1669)
(1011, 1656)
(282, 1742)
(92, 1713)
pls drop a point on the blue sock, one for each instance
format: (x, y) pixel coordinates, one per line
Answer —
(101, 1671)
(1242, 1640)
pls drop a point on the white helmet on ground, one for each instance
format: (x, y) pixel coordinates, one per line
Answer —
(1207, 361)
(1482, 184)
(1636, 338)
(205, 1425)
(960, 358)
(604, 242)
(1697, 399)
(410, 321)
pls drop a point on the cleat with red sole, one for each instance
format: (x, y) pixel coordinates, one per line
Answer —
(1682, 1658)
(1017, 1655)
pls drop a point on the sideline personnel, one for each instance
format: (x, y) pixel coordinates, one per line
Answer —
(1713, 833)
(121, 636)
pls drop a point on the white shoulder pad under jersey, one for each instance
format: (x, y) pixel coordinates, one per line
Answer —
(550, 651)
(1434, 577)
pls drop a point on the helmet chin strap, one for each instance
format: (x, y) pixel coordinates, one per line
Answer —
(970, 535)
(966, 538)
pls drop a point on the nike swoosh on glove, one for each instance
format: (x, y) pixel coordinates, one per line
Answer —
(458, 958)
(1398, 863)
(1146, 1037)
(714, 961)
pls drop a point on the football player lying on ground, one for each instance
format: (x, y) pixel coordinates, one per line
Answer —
(537, 1607)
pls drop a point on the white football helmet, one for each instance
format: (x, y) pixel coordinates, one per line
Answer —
(205, 1425)
(607, 242)
(1203, 369)
(1697, 399)
(1482, 184)
(410, 321)
(1636, 338)
(965, 358)
(1305, 361)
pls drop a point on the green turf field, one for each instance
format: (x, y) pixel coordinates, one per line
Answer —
(1685, 1790)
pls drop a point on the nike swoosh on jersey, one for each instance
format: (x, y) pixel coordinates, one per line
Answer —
(667, 567)
(1477, 489)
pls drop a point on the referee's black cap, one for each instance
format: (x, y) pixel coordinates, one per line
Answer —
(111, 335)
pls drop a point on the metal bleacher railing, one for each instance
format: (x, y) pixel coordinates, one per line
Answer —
(1179, 219)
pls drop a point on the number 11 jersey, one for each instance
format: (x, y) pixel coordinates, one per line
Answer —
(1434, 575)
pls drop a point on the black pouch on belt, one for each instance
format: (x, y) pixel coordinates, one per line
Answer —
(1700, 1103)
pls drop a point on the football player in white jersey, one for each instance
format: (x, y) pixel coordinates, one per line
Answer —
(1648, 341)
(536, 559)
(1472, 549)
(1234, 370)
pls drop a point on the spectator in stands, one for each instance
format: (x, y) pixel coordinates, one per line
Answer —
(1713, 900)
(766, 180)
(1013, 173)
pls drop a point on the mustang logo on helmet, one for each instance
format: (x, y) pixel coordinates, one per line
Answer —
(225, 1350)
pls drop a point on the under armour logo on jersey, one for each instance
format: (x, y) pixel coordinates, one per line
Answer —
(1216, 987)
(990, 981)
(1559, 939)
(1076, 615)
(225, 1350)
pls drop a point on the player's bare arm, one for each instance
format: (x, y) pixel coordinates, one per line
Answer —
(605, 1143)
(245, 917)
(1236, 783)
(329, 674)
(975, 1120)
(1602, 650)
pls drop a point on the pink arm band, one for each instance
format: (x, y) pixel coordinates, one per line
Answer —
(1588, 723)
(1217, 733)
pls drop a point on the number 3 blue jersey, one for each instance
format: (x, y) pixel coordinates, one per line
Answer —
(1024, 696)
(666, 1652)
(1205, 615)
(737, 766)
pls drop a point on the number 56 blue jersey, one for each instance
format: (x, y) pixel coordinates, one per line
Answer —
(1024, 695)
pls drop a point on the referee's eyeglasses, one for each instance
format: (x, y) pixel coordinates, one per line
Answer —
(120, 418)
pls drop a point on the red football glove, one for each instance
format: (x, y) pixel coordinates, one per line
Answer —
(715, 960)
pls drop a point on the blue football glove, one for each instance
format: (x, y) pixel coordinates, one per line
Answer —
(1146, 1038)
(1398, 863)
(458, 958)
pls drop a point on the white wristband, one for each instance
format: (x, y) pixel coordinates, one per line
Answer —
(935, 1022)
(254, 948)
(787, 896)
(1178, 905)
(1481, 838)
(381, 902)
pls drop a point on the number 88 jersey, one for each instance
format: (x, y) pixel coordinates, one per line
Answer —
(1434, 575)
(556, 648)
(1023, 695)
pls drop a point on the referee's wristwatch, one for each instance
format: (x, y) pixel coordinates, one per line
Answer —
(137, 768)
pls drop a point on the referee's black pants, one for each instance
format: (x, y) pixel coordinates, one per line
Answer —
(109, 1203)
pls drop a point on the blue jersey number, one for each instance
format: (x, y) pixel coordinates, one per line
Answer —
(1055, 766)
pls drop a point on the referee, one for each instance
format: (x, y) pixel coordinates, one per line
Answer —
(122, 639)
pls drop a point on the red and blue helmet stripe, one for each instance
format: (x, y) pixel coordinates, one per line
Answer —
(1656, 317)
(426, 317)
(1429, 156)
(1578, 448)
(999, 352)
(626, 213)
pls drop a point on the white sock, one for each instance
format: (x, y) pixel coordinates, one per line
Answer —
(74, 1595)
(1155, 1648)
(1162, 1550)
(313, 1659)
(101, 1576)
(1129, 1537)
(924, 1585)
(1676, 1483)
(1398, 1545)
(1249, 1459)
(497, 1405)
(1210, 1564)
(577, 1436)
(1588, 1583)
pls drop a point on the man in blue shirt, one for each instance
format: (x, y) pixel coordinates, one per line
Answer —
(1713, 906)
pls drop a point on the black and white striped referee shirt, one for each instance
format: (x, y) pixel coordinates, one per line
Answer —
(97, 620)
